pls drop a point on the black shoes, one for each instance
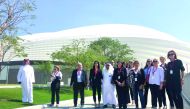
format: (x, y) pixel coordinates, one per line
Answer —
(75, 105)
(113, 106)
(105, 106)
(51, 105)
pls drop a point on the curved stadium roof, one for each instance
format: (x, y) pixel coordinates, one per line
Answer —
(108, 30)
(146, 42)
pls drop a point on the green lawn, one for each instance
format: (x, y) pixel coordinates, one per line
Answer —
(11, 98)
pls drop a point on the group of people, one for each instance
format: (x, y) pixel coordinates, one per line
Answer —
(118, 84)
(123, 83)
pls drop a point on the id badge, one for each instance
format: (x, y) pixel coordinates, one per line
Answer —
(171, 72)
(94, 77)
(135, 79)
(119, 77)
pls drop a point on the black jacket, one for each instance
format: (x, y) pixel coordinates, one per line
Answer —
(119, 75)
(74, 78)
(95, 79)
(55, 85)
(140, 77)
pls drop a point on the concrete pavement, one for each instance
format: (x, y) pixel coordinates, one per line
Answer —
(68, 104)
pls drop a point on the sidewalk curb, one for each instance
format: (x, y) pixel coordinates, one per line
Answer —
(186, 98)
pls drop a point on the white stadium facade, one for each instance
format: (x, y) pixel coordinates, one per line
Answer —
(145, 42)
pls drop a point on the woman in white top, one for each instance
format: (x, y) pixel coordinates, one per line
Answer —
(56, 76)
(108, 89)
(156, 80)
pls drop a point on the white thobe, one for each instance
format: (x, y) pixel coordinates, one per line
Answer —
(108, 89)
(26, 77)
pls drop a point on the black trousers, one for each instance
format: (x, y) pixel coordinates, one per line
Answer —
(175, 95)
(163, 95)
(122, 96)
(156, 95)
(146, 93)
(96, 88)
(78, 88)
(55, 92)
(140, 93)
(131, 93)
(170, 97)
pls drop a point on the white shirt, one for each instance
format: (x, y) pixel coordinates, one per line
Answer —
(136, 71)
(156, 75)
(79, 76)
(54, 74)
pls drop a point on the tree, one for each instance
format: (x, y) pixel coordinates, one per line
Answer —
(12, 13)
(112, 49)
(45, 68)
(72, 53)
(103, 50)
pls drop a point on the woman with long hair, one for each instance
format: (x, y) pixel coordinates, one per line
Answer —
(147, 74)
(95, 80)
(119, 79)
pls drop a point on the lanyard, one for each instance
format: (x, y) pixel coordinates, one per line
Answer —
(119, 70)
(148, 70)
(154, 70)
(172, 65)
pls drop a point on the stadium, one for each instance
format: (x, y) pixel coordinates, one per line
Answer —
(145, 42)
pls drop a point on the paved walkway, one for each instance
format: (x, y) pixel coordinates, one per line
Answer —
(186, 88)
(11, 86)
(68, 104)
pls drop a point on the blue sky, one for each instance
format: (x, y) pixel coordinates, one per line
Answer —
(169, 16)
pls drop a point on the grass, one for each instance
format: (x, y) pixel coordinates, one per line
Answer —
(11, 97)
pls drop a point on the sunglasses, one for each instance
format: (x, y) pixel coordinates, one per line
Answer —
(155, 61)
(171, 54)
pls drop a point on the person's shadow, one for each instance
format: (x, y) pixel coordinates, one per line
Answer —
(14, 100)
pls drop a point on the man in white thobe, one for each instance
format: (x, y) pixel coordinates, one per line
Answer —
(108, 89)
(26, 78)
